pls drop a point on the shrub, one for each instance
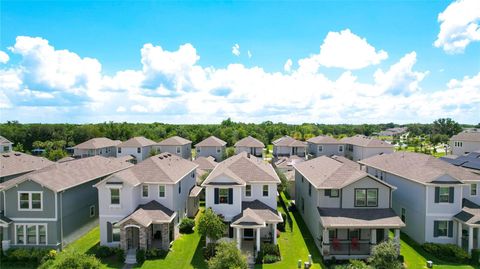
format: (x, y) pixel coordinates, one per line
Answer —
(270, 249)
(140, 256)
(52, 254)
(270, 258)
(120, 254)
(358, 264)
(71, 259)
(155, 253)
(227, 256)
(103, 251)
(385, 256)
(209, 251)
(446, 252)
(475, 256)
(186, 226)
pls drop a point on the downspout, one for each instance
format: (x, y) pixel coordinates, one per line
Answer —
(61, 220)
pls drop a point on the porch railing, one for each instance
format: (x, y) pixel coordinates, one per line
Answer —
(349, 248)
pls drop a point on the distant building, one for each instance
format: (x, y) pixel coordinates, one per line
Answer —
(393, 132)
(5, 145)
(360, 147)
(324, 145)
(249, 145)
(100, 146)
(137, 147)
(465, 142)
(14, 164)
(211, 146)
(288, 146)
(176, 145)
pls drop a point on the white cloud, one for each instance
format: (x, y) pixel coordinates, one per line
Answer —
(249, 54)
(236, 50)
(139, 108)
(459, 26)
(344, 50)
(4, 57)
(121, 109)
(288, 65)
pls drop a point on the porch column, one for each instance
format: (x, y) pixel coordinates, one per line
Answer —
(325, 243)
(397, 240)
(373, 236)
(165, 236)
(143, 238)
(478, 237)
(258, 239)
(274, 233)
(239, 237)
(459, 233)
(470, 239)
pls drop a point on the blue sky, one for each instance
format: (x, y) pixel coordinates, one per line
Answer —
(407, 77)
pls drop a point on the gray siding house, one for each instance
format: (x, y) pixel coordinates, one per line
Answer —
(100, 146)
(211, 146)
(324, 145)
(437, 201)
(137, 147)
(360, 147)
(346, 210)
(288, 146)
(48, 207)
(176, 145)
(14, 164)
(249, 145)
(465, 142)
(140, 207)
(5, 145)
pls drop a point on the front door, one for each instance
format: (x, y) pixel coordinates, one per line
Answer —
(133, 238)
(380, 235)
(247, 233)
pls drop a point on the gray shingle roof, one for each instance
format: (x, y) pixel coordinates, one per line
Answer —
(466, 136)
(4, 141)
(174, 141)
(249, 142)
(288, 162)
(323, 139)
(137, 142)
(206, 163)
(13, 163)
(244, 168)
(287, 141)
(363, 141)
(62, 176)
(151, 212)
(97, 143)
(256, 213)
(468, 161)
(211, 141)
(359, 218)
(163, 168)
(195, 191)
(470, 213)
(418, 167)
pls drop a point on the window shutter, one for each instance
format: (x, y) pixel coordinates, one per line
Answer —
(451, 194)
(437, 194)
(435, 229)
(230, 196)
(215, 196)
(450, 229)
(328, 192)
(109, 232)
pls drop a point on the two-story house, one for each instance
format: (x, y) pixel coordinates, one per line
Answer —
(137, 147)
(205, 165)
(5, 145)
(324, 145)
(14, 164)
(243, 189)
(101, 146)
(288, 146)
(437, 201)
(176, 145)
(346, 210)
(470, 161)
(48, 207)
(359, 147)
(285, 166)
(211, 146)
(250, 145)
(140, 207)
(465, 142)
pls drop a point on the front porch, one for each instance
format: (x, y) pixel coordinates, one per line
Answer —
(468, 227)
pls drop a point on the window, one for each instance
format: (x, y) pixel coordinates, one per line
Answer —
(219, 150)
(115, 196)
(180, 187)
(403, 214)
(223, 196)
(340, 148)
(198, 150)
(309, 189)
(119, 150)
(6, 148)
(139, 150)
(302, 179)
(193, 174)
(354, 234)
(248, 190)
(161, 191)
(320, 148)
(366, 197)
(115, 233)
(144, 191)
(334, 193)
(30, 200)
(442, 228)
(458, 144)
(303, 205)
(444, 194)
(31, 234)
(265, 190)
(179, 150)
(332, 234)
(92, 211)
(473, 189)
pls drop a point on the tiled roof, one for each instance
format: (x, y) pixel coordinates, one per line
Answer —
(288, 162)
(363, 141)
(418, 167)
(151, 212)
(323, 139)
(359, 218)
(137, 142)
(249, 142)
(62, 176)
(174, 141)
(211, 141)
(97, 143)
(256, 213)
(466, 136)
(205, 163)
(13, 163)
(195, 191)
(287, 141)
(244, 168)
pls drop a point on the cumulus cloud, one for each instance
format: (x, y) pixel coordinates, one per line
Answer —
(459, 26)
(171, 86)
(236, 50)
(4, 57)
(249, 54)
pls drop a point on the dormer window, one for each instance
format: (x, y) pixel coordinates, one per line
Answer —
(119, 150)
(248, 190)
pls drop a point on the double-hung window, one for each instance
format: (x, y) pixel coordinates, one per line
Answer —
(223, 196)
(320, 148)
(139, 150)
(473, 189)
(179, 150)
(119, 150)
(444, 194)
(31, 234)
(145, 191)
(366, 197)
(340, 148)
(248, 190)
(265, 190)
(30, 201)
(443, 228)
(115, 196)
(161, 191)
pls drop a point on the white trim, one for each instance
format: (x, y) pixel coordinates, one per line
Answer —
(37, 239)
(30, 201)
(131, 225)
(34, 219)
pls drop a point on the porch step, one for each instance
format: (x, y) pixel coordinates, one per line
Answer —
(131, 257)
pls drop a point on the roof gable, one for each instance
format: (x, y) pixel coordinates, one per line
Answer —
(174, 141)
(249, 142)
(211, 141)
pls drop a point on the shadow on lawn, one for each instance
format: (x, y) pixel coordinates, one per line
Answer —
(309, 240)
(198, 260)
(110, 262)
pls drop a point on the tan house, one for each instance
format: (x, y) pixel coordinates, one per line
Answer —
(359, 147)
(465, 142)
(288, 146)
(177, 145)
(249, 145)
(101, 146)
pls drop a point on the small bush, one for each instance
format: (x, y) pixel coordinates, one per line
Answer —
(140, 256)
(120, 254)
(71, 259)
(292, 207)
(475, 256)
(210, 251)
(358, 264)
(186, 226)
(51, 255)
(270, 258)
(270, 249)
(103, 252)
(446, 252)
(155, 253)
(26, 255)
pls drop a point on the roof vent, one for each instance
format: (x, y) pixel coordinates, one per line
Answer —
(168, 154)
(248, 155)
(17, 154)
(6, 155)
(160, 157)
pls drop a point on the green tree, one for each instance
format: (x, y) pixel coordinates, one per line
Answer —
(211, 225)
(72, 259)
(56, 154)
(446, 126)
(228, 256)
(283, 179)
(204, 176)
(385, 256)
